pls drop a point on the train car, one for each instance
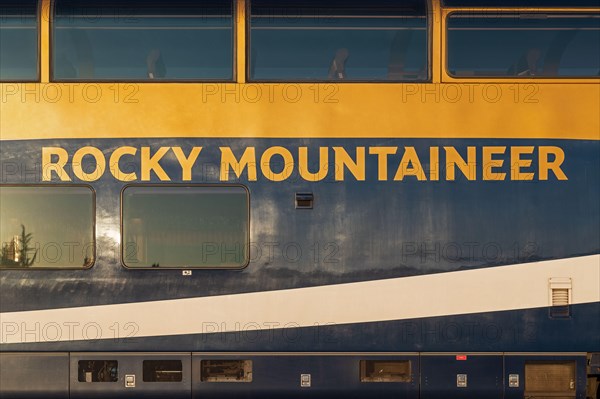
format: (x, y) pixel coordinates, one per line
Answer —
(300, 198)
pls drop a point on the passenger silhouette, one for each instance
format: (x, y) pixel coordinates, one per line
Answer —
(527, 65)
(337, 69)
(156, 66)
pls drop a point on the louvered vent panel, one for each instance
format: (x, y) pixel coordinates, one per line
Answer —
(560, 297)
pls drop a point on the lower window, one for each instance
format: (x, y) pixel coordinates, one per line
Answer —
(47, 226)
(185, 226)
(385, 371)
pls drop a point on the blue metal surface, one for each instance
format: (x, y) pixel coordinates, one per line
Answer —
(356, 231)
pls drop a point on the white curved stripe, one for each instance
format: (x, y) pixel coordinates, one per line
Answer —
(522, 286)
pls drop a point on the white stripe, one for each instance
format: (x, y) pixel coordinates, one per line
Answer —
(492, 289)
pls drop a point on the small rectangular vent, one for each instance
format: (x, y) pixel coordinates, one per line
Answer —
(304, 200)
(560, 297)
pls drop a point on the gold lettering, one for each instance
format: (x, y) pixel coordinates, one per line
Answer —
(228, 160)
(382, 160)
(151, 163)
(517, 163)
(434, 163)
(187, 163)
(468, 167)
(323, 164)
(410, 165)
(78, 163)
(546, 165)
(489, 163)
(57, 167)
(115, 157)
(288, 163)
(343, 161)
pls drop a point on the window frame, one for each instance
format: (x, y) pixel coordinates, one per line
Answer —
(179, 268)
(564, 4)
(449, 78)
(38, 77)
(429, 16)
(94, 237)
(234, 58)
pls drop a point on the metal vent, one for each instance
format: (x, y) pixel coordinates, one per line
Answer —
(550, 379)
(560, 297)
(304, 200)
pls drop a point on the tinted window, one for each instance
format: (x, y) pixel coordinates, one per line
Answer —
(163, 371)
(524, 45)
(18, 40)
(143, 40)
(185, 226)
(521, 3)
(46, 227)
(313, 40)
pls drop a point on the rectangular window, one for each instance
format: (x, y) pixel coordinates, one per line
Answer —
(521, 3)
(19, 40)
(185, 226)
(162, 371)
(98, 371)
(47, 226)
(385, 371)
(226, 371)
(140, 40)
(314, 40)
(536, 45)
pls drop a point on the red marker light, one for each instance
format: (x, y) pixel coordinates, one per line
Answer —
(461, 357)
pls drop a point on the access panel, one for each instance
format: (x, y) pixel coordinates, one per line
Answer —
(297, 375)
(34, 375)
(464, 376)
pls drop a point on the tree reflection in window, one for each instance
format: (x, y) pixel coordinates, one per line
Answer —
(46, 226)
(16, 252)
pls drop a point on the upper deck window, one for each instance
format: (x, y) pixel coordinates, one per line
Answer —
(142, 40)
(18, 40)
(46, 226)
(521, 45)
(521, 3)
(185, 226)
(316, 40)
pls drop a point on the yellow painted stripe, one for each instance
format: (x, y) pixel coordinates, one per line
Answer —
(492, 108)
(461, 110)
(240, 45)
(45, 41)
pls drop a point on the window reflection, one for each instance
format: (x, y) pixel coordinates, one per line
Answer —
(520, 3)
(313, 40)
(196, 226)
(18, 40)
(524, 45)
(143, 40)
(46, 227)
